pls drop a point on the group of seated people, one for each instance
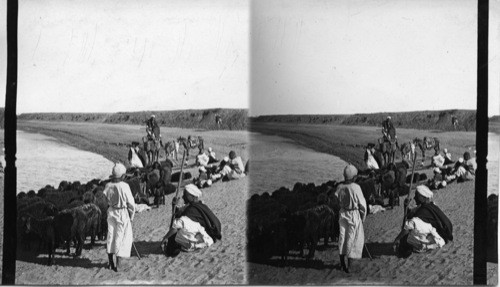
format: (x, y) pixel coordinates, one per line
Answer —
(462, 170)
(230, 167)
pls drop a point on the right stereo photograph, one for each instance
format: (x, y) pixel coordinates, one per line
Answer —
(363, 143)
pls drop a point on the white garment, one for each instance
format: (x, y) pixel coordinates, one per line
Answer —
(352, 214)
(202, 159)
(121, 201)
(190, 234)
(371, 163)
(134, 159)
(238, 170)
(212, 154)
(422, 235)
(438, 160)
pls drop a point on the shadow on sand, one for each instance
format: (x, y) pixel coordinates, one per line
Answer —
(377, 249)
(147, 247)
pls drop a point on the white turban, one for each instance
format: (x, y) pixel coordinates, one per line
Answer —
(425, 191)
(118, 170)
(461, 160)
(209, 149)
(445, 150)
(350, 172)
(437, 170)
(193, 190)
(226, 158)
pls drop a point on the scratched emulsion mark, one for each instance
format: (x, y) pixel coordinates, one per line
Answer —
(42, 160)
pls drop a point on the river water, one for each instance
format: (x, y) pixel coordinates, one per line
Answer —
(277, 162)
(42, 160)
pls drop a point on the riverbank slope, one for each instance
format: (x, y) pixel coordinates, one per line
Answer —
(348, 142)
(222, 263)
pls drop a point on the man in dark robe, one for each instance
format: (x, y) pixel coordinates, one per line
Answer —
(427, 212)
(197, 212)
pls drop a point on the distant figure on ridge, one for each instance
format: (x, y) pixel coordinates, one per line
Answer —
(218, 120)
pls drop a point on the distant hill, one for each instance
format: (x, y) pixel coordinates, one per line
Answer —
(425, 120)
(232, 119)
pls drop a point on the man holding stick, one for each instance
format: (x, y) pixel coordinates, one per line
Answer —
(120, 215)
(426, 227)
(194, 226)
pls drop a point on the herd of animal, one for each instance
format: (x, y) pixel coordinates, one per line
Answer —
(152, 147)
(389, 149)
(291, 220)
(73, 212)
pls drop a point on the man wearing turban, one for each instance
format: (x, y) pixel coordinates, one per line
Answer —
(120, 215)
(195, 226)
(426, 226)
(352, 214)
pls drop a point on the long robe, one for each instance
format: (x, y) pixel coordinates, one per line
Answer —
(352, 214)
(121, 208)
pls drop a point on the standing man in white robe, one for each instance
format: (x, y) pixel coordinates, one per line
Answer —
(120, 215)
(352, 214)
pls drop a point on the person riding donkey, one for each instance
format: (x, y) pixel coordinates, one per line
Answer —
(152, 128)
(388, 130)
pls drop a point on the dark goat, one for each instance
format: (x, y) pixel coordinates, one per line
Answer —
(76, 223)
(44, 229)
(303, 228)
(102, 202)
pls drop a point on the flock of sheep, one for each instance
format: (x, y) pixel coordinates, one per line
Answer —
(70, 213)
(289, 220)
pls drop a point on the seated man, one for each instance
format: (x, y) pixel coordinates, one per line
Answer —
(465, 169)
(233, 169)
(426, 226)
(194, 227)
(437, 181)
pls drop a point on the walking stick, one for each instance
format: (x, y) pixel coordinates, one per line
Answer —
(137, 252)
(409, 190)
(368, 252)
(178, 188)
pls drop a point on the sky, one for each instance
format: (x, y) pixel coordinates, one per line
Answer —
(272, 56)
(345, 56)
(130, 55)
